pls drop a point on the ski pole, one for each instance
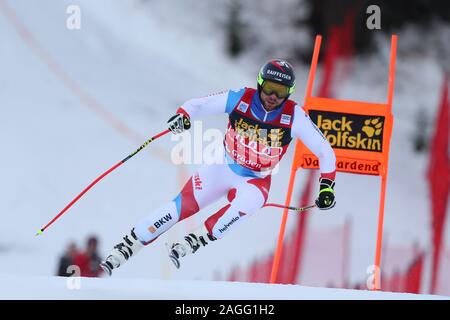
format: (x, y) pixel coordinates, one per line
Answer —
(100, 178)
(300, 209)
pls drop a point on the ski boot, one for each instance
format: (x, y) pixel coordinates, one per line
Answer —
(192, 242)
(122, 252)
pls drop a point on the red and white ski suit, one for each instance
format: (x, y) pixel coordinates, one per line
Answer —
(254, 143)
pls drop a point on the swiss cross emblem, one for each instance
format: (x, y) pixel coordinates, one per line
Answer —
(243, 106)
(285, 119)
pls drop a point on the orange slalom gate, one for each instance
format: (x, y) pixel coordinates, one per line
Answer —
(360, 134)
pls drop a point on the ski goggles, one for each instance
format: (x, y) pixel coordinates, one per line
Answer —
(281, 91)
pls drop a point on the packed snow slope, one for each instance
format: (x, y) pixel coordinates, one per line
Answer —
(39, 287)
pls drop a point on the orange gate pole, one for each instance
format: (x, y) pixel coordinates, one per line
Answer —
(276, 259)
(377, 275)
(277, 256)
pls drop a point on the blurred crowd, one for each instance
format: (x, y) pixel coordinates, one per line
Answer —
(83, 262)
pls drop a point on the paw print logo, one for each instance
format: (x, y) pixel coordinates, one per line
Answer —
(372, 127)
(275, 135)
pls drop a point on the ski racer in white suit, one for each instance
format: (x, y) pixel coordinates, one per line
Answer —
(261, 125)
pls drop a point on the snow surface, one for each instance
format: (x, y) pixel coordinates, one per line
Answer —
(140, 61)
(59, 288)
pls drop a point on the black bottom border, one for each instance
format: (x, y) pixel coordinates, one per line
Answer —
(224, 309)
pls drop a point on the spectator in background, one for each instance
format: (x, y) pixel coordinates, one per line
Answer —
(89, 261)
(66, 260)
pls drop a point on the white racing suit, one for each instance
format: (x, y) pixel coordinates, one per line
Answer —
(255, 142)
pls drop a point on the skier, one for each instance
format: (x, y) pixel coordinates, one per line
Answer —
(262, 123)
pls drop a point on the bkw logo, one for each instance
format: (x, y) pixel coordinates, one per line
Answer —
(159, 223)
